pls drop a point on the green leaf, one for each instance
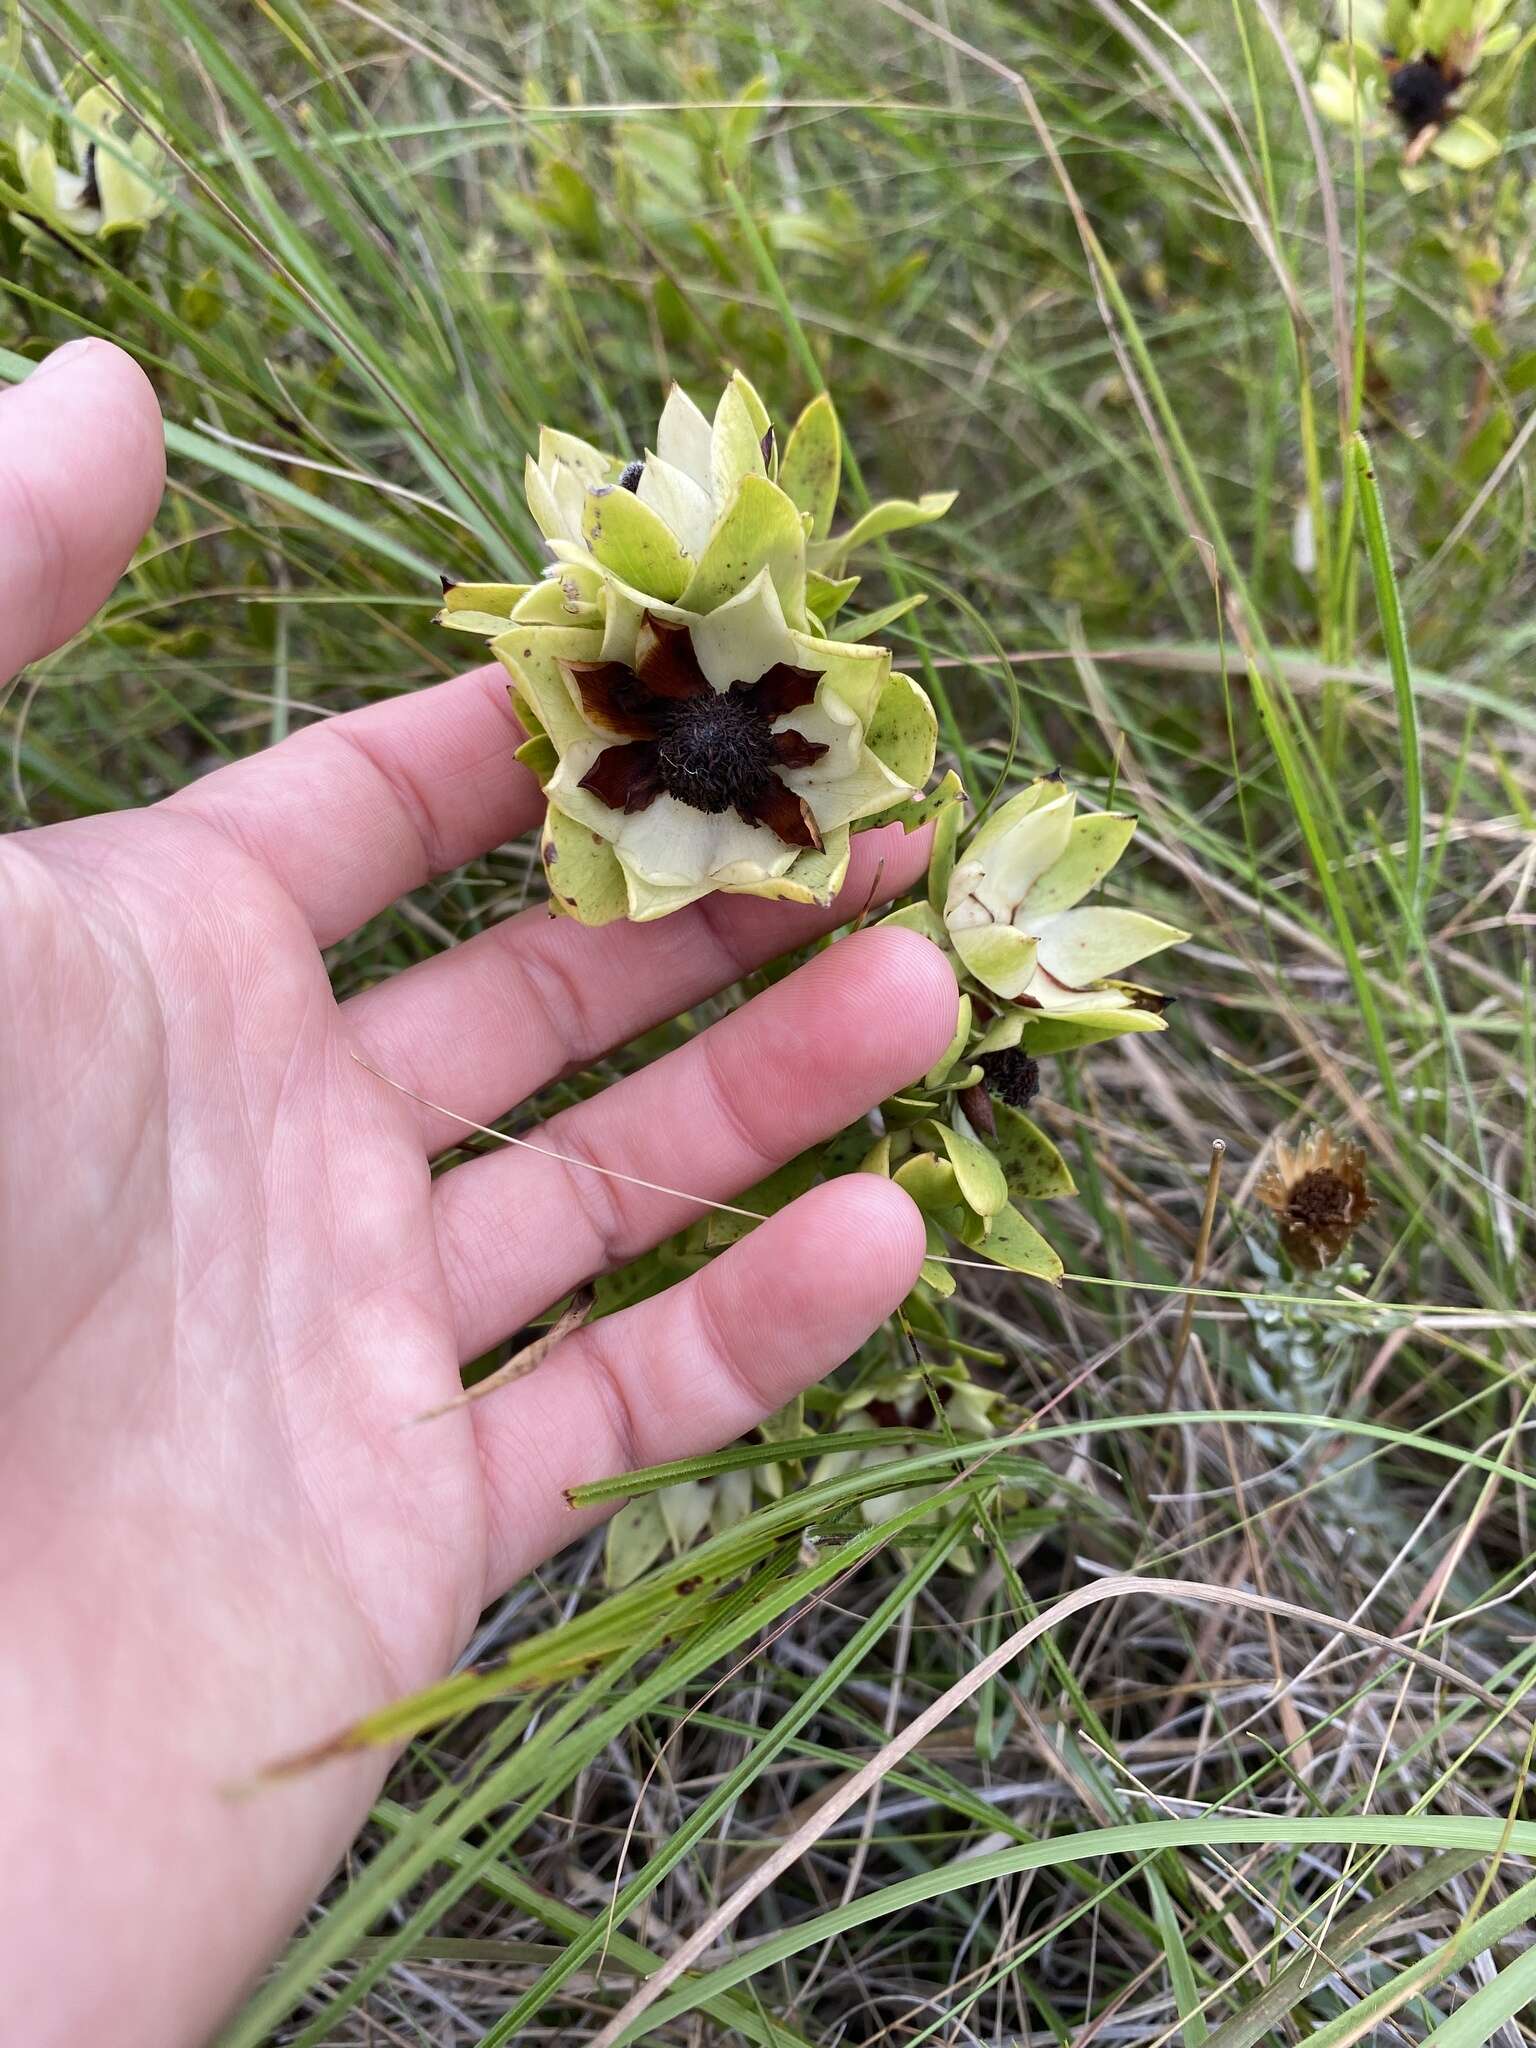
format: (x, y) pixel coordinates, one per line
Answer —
(634, 542)
(945, 1065)
(894, 515)
(786, 1424)
(871, 623)
(1181, 1973)
(917, 917)
(978, 1174)
(585, 879)
(776, 1191)
(637, 1537)
(1098, 940)
(812, 463)
(1014, 1242)
(914, 814)
(1042, 1034)
(904, 731)
(878, 1158)
(736, 438)
(825, 596)
(687, 1510)
(931, 1182)
(1034, 1169)
(1094, 844)
(1000, 956)
(1466, 145)
(645, 1276)
(538, 756)
(759, 529)
(941, 860)
(938, 1277)
(568, 202)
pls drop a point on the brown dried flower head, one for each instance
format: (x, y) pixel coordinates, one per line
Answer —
(1317, 1191)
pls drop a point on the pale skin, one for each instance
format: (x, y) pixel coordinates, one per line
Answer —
(228, 1279)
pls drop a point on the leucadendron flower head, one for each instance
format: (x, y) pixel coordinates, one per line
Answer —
(97, 173)
(1041, 964)
(1429, 70)
(692, 726)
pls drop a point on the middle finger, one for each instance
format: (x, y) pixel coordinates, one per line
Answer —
(517, 1229)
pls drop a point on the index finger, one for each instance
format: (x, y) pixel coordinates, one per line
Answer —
(354, 812)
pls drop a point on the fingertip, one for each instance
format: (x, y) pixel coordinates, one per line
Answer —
(824, 1273)
(102, 375)
(915, 978)
(82, 468)
(884, 1229)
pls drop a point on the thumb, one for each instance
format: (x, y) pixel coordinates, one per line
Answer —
(82, 466)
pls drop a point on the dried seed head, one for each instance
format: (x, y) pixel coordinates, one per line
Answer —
(1317, 1192)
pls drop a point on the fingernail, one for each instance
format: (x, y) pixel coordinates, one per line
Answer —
(71, 352)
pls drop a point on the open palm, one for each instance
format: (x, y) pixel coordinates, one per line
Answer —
(229, 1281)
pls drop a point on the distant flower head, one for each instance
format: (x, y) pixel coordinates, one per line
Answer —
(1318, 1193)
(1425, 69)
(102, 176)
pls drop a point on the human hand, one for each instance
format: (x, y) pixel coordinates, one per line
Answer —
(227, 1277)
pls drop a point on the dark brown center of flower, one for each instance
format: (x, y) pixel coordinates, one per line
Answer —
(90, 186)
(714, 751)
(1321, 1200)
(1012, 1075)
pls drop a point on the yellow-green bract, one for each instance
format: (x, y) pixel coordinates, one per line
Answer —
(1010, 910)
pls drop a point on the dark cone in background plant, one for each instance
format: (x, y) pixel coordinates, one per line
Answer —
(1420, 92)
(1012, 1076)
(1317, 1192)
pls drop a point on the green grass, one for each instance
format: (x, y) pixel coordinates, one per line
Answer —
(1111, 294)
